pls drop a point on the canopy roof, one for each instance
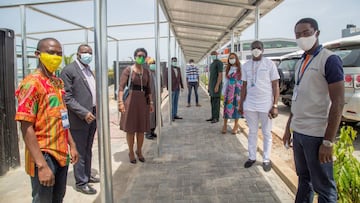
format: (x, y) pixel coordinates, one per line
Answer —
(199, 26)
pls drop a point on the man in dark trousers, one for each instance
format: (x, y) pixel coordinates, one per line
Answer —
(176, 83)
(214, 88)
(80, 99)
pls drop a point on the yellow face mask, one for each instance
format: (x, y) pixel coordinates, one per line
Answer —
(51, 62)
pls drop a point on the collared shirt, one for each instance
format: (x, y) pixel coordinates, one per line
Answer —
(259, 76)
(192, 73)
(90, 79)
(40, 102)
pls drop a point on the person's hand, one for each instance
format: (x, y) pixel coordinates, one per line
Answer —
(273, 113)
(325, 154)
(122, 107)
(74, 155)
(241, 109)
(89, 117)
(287, 138)
(216, 89)
(151, 108)
(46, 176)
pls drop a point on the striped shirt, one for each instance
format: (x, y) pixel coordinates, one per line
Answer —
(40, 103)
(192, 73)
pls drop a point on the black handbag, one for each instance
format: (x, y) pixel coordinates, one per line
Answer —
(127, 88)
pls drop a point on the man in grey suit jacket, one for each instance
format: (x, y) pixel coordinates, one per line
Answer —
(80, 99)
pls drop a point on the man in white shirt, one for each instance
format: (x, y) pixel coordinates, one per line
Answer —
(259, 97)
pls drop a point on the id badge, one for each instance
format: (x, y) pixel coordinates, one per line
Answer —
(295, 92)
(65, 119)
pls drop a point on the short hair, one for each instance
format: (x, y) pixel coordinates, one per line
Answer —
(258, 42)
(191, 61)
(213, 52)
(83, 45)
(313, 23)
(140, 50)
(173, 58)
(42, 41)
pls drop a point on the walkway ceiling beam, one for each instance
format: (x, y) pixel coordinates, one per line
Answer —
(197, 13)
(199, 26)
(225, 3)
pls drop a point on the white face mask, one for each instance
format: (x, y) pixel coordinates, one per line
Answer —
(306, 43)
(256, 52)
(192, 64)
(232, 61)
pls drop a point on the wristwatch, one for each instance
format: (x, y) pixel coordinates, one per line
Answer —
(275, 105)
(327, 143)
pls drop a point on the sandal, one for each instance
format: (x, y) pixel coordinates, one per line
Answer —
(141, 158)
(133, 161)
(223, 131)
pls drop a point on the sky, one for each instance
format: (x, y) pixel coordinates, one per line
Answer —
(332, 17)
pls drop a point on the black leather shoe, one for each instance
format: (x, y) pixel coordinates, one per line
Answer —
(178, 117)
(210, 119)
(215, 120)
(267, 166)
(153, 134)
(149, 136)
(249, 163)
(86, 189)
(93, 179)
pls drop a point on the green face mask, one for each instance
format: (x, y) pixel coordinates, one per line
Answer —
(213, 57)
(152, 67)
(174, 63)
(140, 60)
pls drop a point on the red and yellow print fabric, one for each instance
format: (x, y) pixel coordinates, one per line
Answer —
(40, 101)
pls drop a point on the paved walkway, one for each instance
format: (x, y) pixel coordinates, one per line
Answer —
(197, 164)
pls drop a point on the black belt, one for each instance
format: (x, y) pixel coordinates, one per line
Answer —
(138, 88)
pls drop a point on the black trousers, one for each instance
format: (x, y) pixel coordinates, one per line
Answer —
(215, 107)
(84, 139)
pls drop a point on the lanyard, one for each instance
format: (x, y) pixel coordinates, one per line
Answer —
(307, 65)
(254, 72)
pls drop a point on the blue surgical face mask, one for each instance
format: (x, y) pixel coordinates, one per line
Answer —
(85, 58)
(152, 67)
(174, 63)
(213, 57)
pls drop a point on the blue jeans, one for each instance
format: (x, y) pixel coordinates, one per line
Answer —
(194, 85)
(175, 101)
(313, 176)
(54, 194)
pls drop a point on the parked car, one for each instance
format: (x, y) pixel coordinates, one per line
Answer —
(349, 51)
(286, 69)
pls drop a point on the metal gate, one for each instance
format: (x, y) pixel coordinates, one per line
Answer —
(9, 146)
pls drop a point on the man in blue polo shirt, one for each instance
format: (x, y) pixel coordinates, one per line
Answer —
(317, 104)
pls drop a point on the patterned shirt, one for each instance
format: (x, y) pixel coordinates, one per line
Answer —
(40, 101)
(192, 73)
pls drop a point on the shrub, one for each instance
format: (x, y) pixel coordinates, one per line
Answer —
(347, 167)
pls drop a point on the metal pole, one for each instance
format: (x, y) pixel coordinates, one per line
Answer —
(257, 23)
(86, 37)
(23, 39)
(169, 76)
(158, 77)
(117, 68)
(102, 98)
(232, 41)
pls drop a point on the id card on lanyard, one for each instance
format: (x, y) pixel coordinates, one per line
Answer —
(301, 71)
